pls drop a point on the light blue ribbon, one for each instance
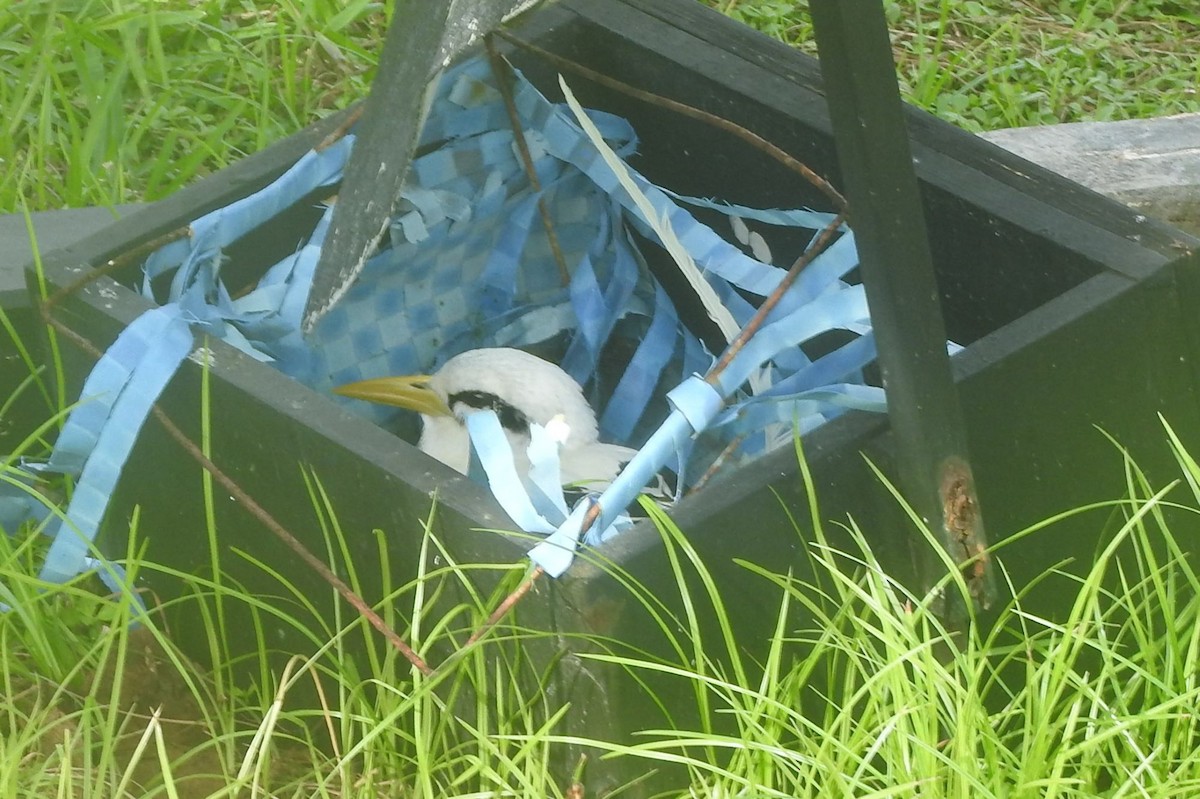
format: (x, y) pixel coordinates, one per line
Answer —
(162, 339)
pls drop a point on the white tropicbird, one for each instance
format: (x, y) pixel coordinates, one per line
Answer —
(521, 389)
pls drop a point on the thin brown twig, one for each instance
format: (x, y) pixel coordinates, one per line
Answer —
(263, 516)
(112, 265)
(751, 327)
(501, 69)
(748, 136)
(342, 129)
(509, 602)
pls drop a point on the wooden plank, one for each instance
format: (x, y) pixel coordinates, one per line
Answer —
(424, 37)
(386, 139)
(897, 270)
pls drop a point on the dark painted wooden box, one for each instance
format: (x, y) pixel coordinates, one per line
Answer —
(1078, 315)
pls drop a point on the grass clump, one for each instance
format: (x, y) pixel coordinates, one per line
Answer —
(108, 103)
(986, 64)
(103, 702)
(872, 696)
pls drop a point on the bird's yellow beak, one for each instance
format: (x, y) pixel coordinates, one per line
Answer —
(409, 391)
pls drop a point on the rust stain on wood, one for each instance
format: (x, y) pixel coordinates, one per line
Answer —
(964, 527)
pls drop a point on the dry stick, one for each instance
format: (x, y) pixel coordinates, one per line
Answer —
(500, 69)
(511, 600)
(282, 533)
(260, 513)
(342, 129)
(112, 265)
(748, 136)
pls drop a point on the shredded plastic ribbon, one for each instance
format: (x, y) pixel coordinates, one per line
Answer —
(126, 390)
(534, 501)
(100, 432)
(468, 264)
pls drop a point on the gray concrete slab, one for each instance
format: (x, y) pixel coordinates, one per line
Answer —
(1152, 165)
(53, 230)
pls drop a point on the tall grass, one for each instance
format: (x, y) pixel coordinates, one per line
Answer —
(859, 690)
(99, 707)
(1099, 701)
(106, 103)
(115, 102)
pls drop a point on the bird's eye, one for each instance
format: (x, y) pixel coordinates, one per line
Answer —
(510, 418)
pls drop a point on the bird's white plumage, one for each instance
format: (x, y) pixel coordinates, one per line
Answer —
(537, 389)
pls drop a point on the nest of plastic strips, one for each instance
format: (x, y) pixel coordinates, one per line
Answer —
(469, 262)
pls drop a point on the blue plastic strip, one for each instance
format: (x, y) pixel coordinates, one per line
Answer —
(697, 400)
(640, 472)
(779, 217)
(226, 225)
(599, 303)
(102, 389)
(140, 388)
(762, 411)
(114, 578)
(499, 278)
(834, 367)
(544, 479)
(495, 454)
(556, 554)
(832, 312)
(640, 379)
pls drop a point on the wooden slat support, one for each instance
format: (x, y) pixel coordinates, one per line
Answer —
(897, 268)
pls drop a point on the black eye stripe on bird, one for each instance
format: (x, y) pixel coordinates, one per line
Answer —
(510, 418)
(522, 389)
